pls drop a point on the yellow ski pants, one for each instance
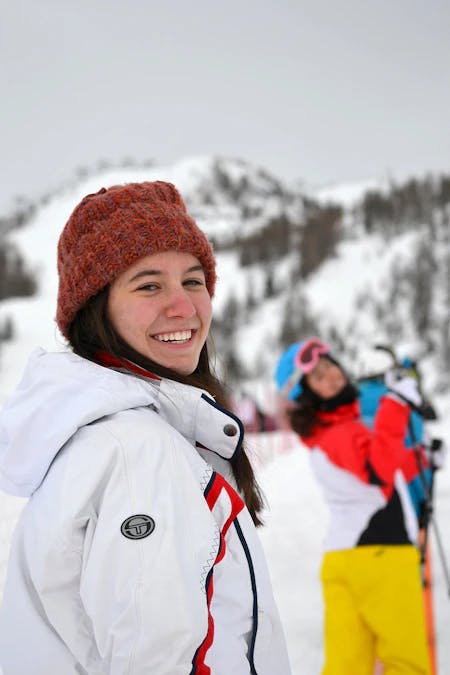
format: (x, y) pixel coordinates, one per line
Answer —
(374, 609)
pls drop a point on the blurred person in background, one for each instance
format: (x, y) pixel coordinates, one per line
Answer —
(137, 551)
(370, 572)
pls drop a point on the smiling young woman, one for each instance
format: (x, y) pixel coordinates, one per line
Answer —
(137, 552)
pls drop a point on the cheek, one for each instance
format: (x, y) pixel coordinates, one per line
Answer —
(313, 384)
(127, 316)
(132, 321)
(204, 309)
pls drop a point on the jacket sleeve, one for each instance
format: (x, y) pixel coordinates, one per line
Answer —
(412, 467)
(372, 456)
(387, 452)
(143, 597)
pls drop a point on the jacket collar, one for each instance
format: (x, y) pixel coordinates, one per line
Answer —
(342, 414)
(61, 392)
(191, 411)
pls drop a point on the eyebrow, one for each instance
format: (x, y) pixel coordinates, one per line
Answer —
(145, 273)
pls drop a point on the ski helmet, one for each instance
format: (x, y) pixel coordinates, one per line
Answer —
(298, 360)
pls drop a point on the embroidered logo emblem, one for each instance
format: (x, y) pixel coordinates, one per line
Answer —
(137, 527)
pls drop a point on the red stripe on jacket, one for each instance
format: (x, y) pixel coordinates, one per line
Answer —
(219, 484)
(109, 361)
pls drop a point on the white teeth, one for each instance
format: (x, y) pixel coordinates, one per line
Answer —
(178, 336)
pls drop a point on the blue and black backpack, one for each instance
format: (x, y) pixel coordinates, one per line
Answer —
(370, 393)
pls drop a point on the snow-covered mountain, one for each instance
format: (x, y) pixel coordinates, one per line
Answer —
(289, 263)
(376, 270)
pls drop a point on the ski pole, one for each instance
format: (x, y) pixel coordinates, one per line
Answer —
(428, 509)
(429, 517)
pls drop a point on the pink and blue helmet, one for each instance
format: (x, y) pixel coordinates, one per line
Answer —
(298, 360)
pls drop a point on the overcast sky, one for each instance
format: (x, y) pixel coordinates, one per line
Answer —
(321, 91)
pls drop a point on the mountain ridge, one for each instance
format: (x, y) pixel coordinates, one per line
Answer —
(289, 263)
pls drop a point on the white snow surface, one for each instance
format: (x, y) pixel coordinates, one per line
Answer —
(348, 194)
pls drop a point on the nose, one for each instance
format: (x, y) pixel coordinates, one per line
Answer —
(179, 304)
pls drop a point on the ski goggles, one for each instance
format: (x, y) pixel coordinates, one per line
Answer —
(309, 353)
(300, 359)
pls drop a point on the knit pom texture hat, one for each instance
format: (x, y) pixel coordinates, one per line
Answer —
(112, 229)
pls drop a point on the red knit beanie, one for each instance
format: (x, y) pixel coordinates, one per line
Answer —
(112, 229)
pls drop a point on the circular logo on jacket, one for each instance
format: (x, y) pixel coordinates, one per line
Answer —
(137, 527)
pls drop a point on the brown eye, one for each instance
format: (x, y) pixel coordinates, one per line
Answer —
(147, 287)
(194, 282)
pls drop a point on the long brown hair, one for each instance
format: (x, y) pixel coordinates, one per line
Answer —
(91, 331)
(303, 417)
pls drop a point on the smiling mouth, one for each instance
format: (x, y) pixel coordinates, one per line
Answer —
(176, 337)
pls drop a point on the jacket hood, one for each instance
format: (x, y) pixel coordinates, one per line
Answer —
(62, 392)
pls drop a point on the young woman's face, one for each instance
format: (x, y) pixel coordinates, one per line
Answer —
(326, 379)
(161, 307)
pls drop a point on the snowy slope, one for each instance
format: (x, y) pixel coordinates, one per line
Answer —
(345, 295)
(348, 194)
(350, 296)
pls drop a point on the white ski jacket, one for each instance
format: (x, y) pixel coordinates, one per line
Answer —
(134, 555)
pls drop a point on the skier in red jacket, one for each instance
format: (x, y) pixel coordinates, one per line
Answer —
(370, 571)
